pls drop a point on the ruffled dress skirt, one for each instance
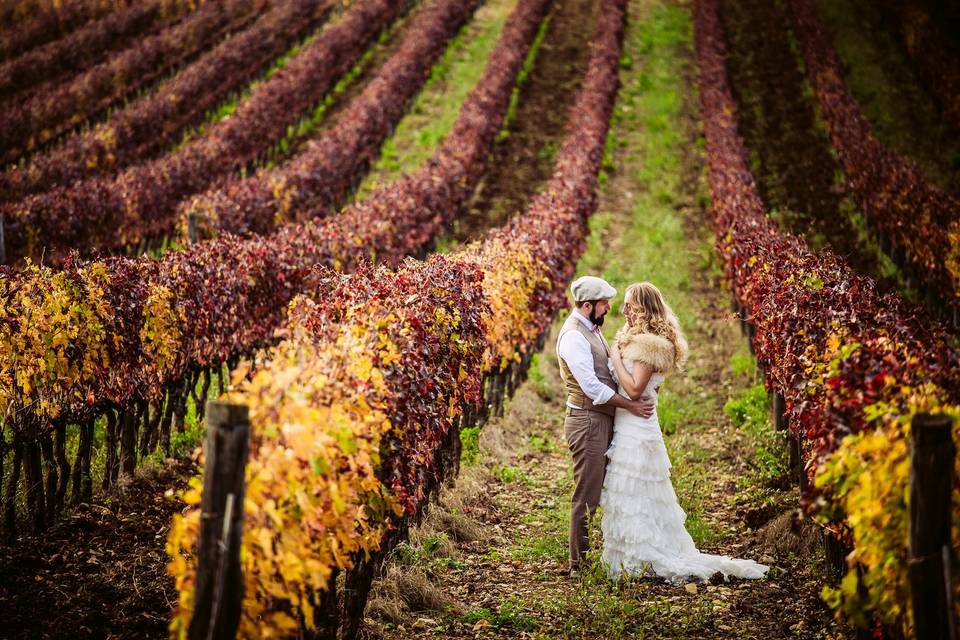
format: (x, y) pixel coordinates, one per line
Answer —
(643, 524)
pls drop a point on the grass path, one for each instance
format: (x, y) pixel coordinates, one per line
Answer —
(435, 109)
(489, 562)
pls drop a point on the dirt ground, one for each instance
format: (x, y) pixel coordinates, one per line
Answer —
(101, 571)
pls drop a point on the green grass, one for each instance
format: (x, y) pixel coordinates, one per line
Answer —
(435, 110)
(508, 474)
(679, 412)
(601, 609)
(510, 615)
(543, 444)
(743, 364)
(537, 377)
(750, 412)
(549, 525)
(470, 445)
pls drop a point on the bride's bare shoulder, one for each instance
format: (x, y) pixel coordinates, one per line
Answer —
(648, 348)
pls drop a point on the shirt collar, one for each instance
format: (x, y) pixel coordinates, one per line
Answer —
(584, 319)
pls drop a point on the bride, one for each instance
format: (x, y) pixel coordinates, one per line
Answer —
(643, 525)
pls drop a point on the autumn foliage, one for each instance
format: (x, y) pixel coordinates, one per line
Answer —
(81, 48)
(316, 180)
(852, 365)
(122, 334)
(417, 342)
(157, 119)
(60, 106)
(41, 22)
(321, 423)
(897, 199)
(108, 213)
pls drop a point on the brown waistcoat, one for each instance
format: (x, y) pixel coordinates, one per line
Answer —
(575, 395)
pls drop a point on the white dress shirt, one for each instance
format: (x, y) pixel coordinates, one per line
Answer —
(575, 350)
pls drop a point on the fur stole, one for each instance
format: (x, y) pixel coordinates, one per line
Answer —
(651, 349)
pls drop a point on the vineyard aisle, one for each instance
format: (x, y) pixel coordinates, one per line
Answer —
(489, 563)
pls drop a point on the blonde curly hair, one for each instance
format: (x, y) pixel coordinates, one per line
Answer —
(646, 311)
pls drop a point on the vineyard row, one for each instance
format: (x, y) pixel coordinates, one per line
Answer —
(853, 366)
(109, 213)
(140, 330)
(315, 181)
(26, 24)
(82, 48)
(59, 106)
(154, 121)
(920, 220)
(355, 421)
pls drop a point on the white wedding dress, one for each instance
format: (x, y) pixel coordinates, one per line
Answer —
(643, 524)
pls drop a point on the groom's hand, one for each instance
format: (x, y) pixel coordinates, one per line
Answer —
(642, 408)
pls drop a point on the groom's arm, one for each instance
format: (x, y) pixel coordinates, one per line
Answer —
(642, 408)
(575, 351)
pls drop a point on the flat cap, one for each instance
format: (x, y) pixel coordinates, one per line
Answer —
(591, 288)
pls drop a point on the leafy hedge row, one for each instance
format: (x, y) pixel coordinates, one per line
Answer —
(317, 179)
(852, 365)
(60, 106)
(83, 47)
(28, 24)
(890, 189)
(154, 121)
(107, 213)
(107, 333)
(934, 55)
(403, 218)
(355, 419)
(124, 333)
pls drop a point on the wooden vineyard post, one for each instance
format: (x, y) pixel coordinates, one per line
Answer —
(780, 412)
(782, 423)
(931, 485)
(326, 614)
(192, 227)
(219, 589)
(356, 590)
(128, 441)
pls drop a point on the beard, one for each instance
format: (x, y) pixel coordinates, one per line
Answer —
(597, 320)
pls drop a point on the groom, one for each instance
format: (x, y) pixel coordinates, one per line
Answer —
(592, 400)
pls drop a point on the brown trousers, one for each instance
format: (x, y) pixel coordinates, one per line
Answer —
(588, 435)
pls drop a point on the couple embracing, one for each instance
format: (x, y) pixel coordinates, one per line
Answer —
(611, 425)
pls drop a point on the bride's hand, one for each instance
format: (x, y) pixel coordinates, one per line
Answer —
(615, 353)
